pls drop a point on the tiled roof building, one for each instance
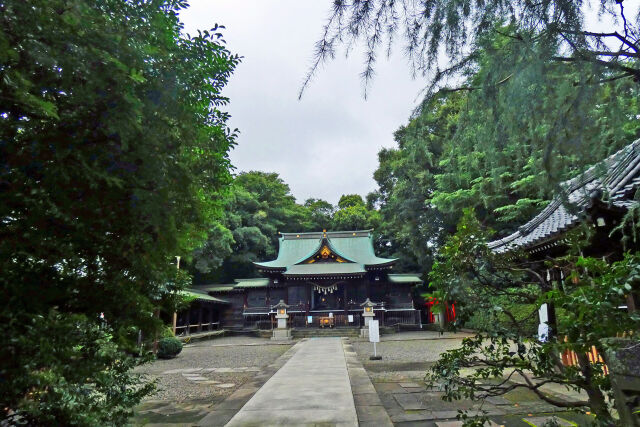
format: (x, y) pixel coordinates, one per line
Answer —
(321, 275)
(602, 194)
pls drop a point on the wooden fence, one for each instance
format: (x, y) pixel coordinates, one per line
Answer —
(196, 328)
(570, 358)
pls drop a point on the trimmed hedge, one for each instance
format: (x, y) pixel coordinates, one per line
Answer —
(169, 347)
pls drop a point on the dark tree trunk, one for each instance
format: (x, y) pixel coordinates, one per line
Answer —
(597, 401)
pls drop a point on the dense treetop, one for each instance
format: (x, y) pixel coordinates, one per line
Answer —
(257, 207)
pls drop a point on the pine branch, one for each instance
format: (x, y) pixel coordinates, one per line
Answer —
(616, 54)
(610, 65)
(614, 34)
(611, 79)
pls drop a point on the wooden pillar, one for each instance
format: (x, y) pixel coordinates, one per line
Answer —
(200, 319)
(175, 322)
(211, 316)
(268, 299)
(286, 294)
(155, 338)
(631, 303)
(346, 305)
(308, 290)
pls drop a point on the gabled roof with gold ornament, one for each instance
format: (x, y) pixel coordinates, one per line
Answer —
(326, 253)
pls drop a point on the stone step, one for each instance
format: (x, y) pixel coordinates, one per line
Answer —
(335, 332)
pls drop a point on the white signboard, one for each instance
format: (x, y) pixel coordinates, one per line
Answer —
(351, 318)
(543, 327)
(330, 314)
(309, 319)
(374, 333)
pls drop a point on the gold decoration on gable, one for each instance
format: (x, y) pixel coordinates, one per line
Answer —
(325, 252)
(325, 255)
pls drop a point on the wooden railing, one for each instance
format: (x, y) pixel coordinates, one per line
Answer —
(256, 310)
(267, 309)
(197, 327)
(399, 306)
(406, 317)
(260, 318)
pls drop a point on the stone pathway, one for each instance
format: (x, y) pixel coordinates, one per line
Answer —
(369, 407)
(187, 371)
(410, 403)
(312, 388)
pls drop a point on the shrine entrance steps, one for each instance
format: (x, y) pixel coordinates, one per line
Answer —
(298, 333)
(325, 332)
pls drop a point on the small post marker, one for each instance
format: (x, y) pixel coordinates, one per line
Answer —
(374, 337)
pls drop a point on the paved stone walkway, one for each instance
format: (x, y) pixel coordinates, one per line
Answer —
(312, 388)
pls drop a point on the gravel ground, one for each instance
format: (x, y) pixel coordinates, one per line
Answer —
(233, 341)
(409, 351)
(424, 335)
(200, 382)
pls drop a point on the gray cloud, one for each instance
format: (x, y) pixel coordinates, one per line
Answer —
(326, 144)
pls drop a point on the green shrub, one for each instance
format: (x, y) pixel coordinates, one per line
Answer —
(483, 320)
(167, 332)
(169, 347)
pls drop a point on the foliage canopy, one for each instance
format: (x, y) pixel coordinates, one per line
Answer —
(114, 151)
(589, 293)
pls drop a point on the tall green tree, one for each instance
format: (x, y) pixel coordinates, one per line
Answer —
(114, 150)
(462, 150)
(353, 214)
(412, 224)
(321, 213)
(257, 207)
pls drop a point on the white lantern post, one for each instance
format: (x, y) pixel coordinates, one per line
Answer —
(282, 332)
(367, 314)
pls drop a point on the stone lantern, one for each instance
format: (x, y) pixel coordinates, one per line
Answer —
(281, 332)
(367, 314)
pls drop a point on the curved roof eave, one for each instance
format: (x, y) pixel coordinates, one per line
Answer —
(616, 175)
(322, 242)
(384, 262)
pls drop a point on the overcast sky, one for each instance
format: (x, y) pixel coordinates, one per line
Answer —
(326, 144)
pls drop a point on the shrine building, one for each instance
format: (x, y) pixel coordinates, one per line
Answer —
(324, 277)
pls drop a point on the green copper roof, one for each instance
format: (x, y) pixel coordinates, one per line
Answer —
(217, 288)
(258, 282)
(291, 251)
(252, 283)
(201, 297)
(356, 247)
(324, 269)
(405, 278)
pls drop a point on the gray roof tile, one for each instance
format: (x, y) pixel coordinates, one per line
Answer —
(616, 179)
